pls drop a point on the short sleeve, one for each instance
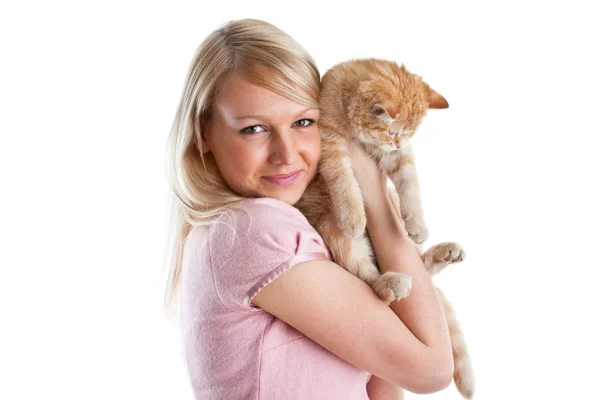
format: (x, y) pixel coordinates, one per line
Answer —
(256, 242)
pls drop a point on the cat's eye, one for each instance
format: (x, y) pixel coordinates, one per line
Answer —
(378, 110)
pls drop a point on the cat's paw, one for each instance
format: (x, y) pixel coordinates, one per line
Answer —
(417, 230)
(441, 255)
(393, 286)
(353, 224)
(448, 252)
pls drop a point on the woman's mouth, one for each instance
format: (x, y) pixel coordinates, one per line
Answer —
(283, 179)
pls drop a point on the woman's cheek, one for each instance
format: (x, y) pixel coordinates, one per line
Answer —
(316, 146)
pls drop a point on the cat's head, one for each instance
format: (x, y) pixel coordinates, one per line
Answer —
(392, 104)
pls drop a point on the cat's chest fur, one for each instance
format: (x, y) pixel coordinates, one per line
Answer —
(389, 161)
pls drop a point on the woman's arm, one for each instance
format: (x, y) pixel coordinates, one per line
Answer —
(421, 311)
(343, 314)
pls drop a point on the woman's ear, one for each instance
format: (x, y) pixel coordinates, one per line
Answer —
(200, 139)
(201, 143)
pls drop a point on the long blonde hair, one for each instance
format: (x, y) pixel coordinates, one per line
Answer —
(260, 53)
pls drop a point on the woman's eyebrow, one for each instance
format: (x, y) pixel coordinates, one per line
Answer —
(253, 116)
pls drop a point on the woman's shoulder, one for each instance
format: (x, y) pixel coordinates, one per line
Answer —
(251, 243)
(265, 211)
(270, 204)
(262, 224)
(252, 217)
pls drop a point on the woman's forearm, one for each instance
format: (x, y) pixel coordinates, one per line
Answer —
(421, 311)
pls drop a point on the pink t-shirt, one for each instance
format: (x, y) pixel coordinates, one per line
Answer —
(234, 349)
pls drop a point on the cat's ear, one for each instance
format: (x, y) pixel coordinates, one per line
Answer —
(435, 99)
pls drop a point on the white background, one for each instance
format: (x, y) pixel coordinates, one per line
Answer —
(88, 91)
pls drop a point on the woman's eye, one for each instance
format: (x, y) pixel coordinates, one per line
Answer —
(303, 123)
(252, 129)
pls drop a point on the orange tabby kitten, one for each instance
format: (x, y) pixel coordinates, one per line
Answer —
(379, 104)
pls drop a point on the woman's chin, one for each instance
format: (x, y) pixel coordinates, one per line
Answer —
(289, 194)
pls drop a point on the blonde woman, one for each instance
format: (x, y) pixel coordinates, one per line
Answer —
(264, 311)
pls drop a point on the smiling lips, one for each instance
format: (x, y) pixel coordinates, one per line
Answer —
(283, 179)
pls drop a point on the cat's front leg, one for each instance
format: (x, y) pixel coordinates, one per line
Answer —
(346, 197)
(403, 173)
(356, 256)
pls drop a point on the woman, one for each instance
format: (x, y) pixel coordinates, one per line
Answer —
(244, 146)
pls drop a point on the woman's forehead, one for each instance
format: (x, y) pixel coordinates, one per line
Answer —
(239, 99)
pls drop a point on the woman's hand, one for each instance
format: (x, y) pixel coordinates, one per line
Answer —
(372, 180)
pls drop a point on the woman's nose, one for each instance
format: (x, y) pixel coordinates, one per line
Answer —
(283, 148)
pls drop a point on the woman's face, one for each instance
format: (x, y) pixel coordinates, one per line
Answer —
(264, 144)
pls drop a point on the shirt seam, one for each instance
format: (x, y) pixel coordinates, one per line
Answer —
(289, 341)
(280, 270)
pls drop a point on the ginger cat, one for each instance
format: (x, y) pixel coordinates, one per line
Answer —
(379, 104)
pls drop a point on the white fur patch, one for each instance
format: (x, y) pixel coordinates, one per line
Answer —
(409, 171)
